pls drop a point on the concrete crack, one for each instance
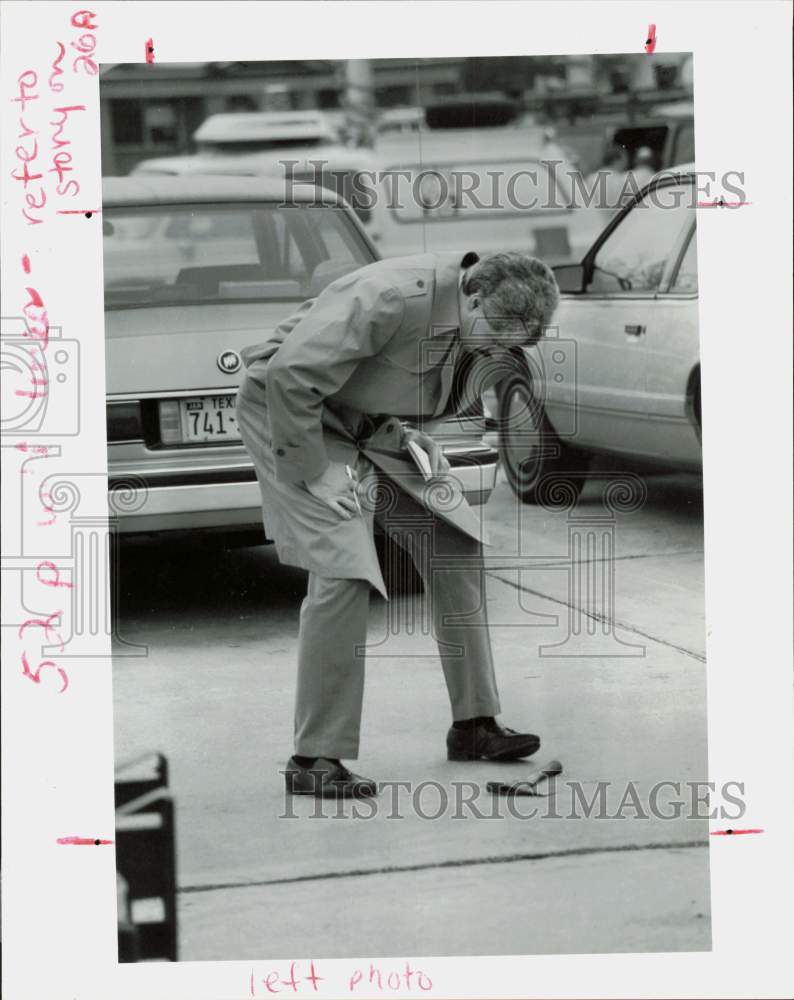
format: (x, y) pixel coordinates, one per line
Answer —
(563, 561)
(626, 626)
(573, 852)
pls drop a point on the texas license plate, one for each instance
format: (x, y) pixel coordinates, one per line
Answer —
(208, 418)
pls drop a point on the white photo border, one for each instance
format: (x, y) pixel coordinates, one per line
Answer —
(59, 902)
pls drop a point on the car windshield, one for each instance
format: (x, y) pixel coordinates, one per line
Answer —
(177, 255)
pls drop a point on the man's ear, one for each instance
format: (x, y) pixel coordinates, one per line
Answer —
(474, 302)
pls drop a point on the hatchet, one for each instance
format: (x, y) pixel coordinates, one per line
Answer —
(526, 786)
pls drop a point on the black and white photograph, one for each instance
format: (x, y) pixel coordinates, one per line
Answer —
(403, 380)
(396, 446)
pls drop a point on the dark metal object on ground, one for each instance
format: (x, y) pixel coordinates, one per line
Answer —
(146, 860)
(526, 786)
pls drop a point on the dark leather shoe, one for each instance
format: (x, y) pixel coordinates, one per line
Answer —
(327, 779)
(490, 741)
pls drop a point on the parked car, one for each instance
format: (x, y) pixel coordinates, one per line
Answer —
(243, 133)
(474, 174)
(287, 146)
(620, 373)
(195, 269)
(406, 119)
(668, 130)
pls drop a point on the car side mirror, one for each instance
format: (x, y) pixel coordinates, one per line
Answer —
(570, 277)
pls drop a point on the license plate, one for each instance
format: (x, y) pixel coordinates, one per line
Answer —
(207, 419)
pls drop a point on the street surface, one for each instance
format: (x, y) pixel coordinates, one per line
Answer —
(623, 704)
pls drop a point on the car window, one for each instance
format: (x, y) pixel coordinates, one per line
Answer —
(288, 253)
(684, 145)
(633, 257)
(686, 278)
(335, 242)
(334, 248)
(203, 226)
(470, 191)
(174, 255)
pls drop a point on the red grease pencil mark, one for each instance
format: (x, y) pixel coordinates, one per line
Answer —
(82, 840)
(45, 498)
(51, 568)
(35, 382)
(722, 203)
(732, 833)
(650, 42)
(36, 676)
(87, 212)
(38, 449)
(26, 263)
(149, 50)
(44, 623)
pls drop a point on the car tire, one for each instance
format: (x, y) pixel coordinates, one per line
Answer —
(531, 452)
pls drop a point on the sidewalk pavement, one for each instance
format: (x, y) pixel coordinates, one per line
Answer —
(215, 695)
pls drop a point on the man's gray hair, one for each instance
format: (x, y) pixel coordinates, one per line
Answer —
(519, 293)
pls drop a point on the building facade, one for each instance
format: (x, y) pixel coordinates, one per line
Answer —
(151, 110)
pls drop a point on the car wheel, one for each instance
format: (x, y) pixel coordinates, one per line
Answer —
(530, 449)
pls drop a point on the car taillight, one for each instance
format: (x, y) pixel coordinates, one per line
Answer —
(124, 421)
(170, 423)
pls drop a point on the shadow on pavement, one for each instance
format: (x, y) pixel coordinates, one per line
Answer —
(159, 577)
(667, 492)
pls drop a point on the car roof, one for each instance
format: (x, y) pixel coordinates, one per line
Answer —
(409, 113)
(270, 163)
(250, 126)
(675, 109)
(153, 189)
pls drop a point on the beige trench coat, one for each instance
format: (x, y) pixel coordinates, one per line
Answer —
(331, 384)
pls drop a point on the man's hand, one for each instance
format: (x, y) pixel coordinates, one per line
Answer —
(336, 489)
(438, 463)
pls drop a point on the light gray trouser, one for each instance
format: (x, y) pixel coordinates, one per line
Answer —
(333, 632)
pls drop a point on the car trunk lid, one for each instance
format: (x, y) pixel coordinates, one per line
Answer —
(163, 350)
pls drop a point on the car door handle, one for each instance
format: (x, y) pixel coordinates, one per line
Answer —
(634, 329)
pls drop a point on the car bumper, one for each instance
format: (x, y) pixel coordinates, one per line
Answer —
(184, 497)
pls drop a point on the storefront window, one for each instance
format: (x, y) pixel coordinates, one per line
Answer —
(127, 122)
